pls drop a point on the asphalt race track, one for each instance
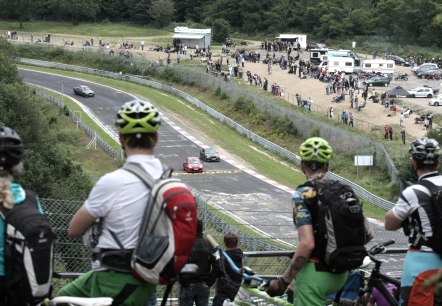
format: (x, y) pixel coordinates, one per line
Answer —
(252, 200)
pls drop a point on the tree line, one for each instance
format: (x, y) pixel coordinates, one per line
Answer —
(49, 167)
(411, 21)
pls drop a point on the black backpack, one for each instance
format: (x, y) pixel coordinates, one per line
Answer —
(435, 241)
(29, 249)
(338, 224)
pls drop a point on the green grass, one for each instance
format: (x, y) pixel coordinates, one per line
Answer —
(93, 161)
(88, 30)
(86, 119)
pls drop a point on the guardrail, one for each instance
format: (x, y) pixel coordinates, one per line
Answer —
(360, 191)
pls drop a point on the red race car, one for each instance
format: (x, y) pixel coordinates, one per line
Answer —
(193, 164)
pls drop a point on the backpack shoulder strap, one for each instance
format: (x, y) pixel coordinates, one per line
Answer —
(139, 171)
(4, 211)
(430, 186)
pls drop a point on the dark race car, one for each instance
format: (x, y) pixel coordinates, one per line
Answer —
(209, 154)
(84, 91)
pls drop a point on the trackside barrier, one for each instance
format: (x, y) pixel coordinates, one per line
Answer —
(361, 192)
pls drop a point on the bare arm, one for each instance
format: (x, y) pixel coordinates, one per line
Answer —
(303, 252)
(81, 221)
(391, 222)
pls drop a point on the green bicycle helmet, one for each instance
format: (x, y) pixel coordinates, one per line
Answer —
(138, 117)
(316, 149)
(11, 148)
(425, 150)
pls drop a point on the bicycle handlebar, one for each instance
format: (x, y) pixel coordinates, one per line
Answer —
(379, 248)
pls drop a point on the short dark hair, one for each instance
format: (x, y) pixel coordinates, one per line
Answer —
(141, 140)
(314, 165)
(231, 240)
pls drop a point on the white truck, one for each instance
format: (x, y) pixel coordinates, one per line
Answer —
(338, 63)
(378, 65)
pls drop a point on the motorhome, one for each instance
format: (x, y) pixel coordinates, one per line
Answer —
(337, 63)
(378, 65)
(316, 55)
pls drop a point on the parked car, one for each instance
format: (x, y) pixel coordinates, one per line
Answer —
(378, 81)
(430, 75)
(424, 66)
(193, 164)
(84, 91)
(398, 60)
(422, 74)
(209, 154)
(436, 101)
(421, 92)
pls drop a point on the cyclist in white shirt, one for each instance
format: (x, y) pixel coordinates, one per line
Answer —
(118, 199)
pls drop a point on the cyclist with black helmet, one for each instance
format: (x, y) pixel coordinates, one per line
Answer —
(413, 212)
(11, 194)
(118, 199)
(312, 283)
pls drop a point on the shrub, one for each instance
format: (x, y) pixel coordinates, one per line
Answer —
(316, 132)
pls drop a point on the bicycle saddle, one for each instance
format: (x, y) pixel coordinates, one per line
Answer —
(366, 262)
(81, 301)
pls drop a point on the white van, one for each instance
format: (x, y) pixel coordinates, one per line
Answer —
(337, 63)
(378, 65)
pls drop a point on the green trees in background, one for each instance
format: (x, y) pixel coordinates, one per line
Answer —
(413, 21)
(49, 169)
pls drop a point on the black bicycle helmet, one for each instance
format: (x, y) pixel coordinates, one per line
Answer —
(425, 150)
(11, 148)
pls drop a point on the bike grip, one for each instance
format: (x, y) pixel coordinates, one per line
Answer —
(388, 242)
(212, 241)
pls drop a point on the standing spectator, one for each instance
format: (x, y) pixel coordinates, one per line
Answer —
(228, 283)
(331, 112)
(119, 199)
(401, 119)
(142, 45)
(195, 287)
(310, 104)
(413, 212)
(386, 131)
(356, 102)
(269, 67)
(430, 121)
(350, 116)
(390, 132)
(403, 135)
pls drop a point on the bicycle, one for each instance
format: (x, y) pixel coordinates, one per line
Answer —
(252, 288)
(377, 280)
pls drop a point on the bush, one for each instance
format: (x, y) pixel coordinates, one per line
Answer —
(316, 132)
(244, 105)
